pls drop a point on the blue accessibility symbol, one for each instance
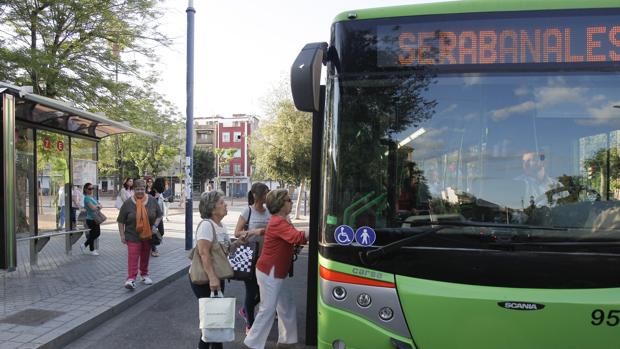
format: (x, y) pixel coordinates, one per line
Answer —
(365, 236)
(344, 235)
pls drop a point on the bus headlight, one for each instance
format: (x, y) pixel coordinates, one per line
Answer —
(364, 300)
(386, 314)
(339, 293)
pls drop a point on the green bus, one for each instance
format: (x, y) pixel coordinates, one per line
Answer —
(469, 177)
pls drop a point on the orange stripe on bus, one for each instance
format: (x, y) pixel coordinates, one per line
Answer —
(350, 279)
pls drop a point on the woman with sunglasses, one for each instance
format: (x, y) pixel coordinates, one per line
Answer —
(91, 205)
(271, 270)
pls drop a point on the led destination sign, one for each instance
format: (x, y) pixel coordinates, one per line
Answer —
(501, 41)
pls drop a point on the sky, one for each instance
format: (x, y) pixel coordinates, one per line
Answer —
(243, 49)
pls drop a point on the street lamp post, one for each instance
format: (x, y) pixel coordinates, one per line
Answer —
(189, 206)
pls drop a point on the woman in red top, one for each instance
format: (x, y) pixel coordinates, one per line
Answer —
(271, 270)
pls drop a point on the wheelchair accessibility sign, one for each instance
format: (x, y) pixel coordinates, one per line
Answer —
(344, 235)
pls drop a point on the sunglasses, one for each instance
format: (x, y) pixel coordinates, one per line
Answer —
(91, 188)
(288, 200)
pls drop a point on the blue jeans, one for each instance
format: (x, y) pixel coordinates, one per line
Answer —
(61, 217)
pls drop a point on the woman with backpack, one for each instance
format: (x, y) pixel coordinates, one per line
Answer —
(251, 224)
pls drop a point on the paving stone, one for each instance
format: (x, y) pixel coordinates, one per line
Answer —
(10, 345)
(82, 286)
(24, 338)
(6, 335)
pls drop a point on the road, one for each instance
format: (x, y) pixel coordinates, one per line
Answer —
(169, 318)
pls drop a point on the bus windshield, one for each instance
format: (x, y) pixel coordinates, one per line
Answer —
(510, 143)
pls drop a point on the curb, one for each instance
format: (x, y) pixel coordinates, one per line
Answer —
(78, 331)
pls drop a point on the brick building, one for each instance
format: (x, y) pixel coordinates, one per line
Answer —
(229, 133)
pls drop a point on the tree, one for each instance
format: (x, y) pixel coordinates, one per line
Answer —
(282, 147)
(203, 166)
(70, 48)
(132, 155)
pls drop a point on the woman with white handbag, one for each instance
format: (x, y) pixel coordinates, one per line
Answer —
(212, 210)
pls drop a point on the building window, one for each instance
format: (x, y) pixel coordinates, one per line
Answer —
(204, 137)
(226, 168)
(237, 169)
(226, 137)
(237, 137)
(237, 153)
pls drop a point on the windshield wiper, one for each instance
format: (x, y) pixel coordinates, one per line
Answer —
(369, 257)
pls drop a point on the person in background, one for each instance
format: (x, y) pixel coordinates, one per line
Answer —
(271, 270)
(137, 219)
(251, 224)
(212, 210)
(167, 194)
(149, 184)
(537, 180)
(61, 207)
(126, 191)
(156, 193)
(77, 204)
(91, 205)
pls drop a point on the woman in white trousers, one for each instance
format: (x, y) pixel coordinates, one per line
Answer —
(272, 269)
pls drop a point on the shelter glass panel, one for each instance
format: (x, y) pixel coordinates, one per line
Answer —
(25, 181)
(53, 176)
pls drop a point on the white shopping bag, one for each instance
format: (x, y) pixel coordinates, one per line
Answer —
(217, 318)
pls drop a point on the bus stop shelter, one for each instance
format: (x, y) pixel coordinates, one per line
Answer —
(49, 150)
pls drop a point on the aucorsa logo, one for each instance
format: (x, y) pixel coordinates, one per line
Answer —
(521, 306)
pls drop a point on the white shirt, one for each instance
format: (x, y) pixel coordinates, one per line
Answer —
(205, 232)
(125, 194)
(78, 198)
(61, 197)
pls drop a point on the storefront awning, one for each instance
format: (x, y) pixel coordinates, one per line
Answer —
(55, 114)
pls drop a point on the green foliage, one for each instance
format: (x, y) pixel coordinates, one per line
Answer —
(598, 165)
(71, 48)
(131, 155)
(282, 147)
(203, 166)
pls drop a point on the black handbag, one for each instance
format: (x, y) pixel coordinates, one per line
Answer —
(243, 261)
(295, 256)
(156, 239)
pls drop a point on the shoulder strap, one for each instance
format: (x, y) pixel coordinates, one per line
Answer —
(215, 241)
(249, 215)
(196, 232)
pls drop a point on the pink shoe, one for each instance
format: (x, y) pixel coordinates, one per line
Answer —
(244, 315)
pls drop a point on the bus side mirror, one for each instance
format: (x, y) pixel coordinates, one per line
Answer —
(306, 76)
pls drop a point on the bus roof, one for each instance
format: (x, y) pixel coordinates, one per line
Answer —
(473, 6)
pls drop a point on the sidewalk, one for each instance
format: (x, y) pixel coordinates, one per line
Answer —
(55, 302)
